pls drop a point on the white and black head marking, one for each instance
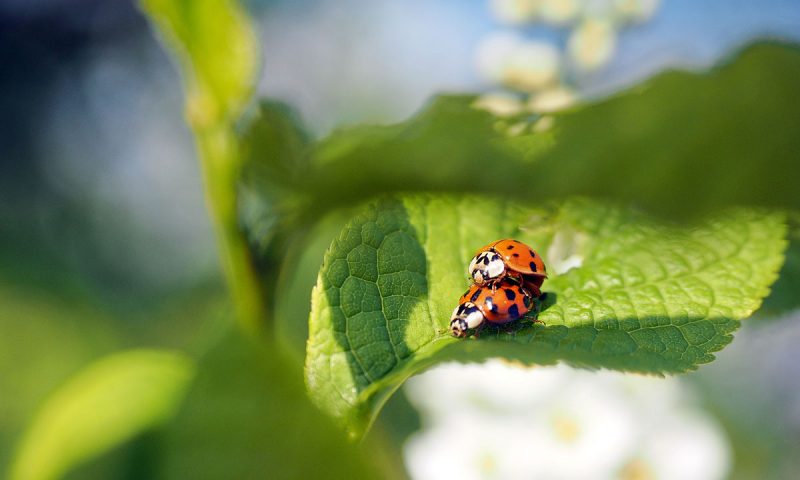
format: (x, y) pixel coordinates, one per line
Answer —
(465, 317)
(486, 266)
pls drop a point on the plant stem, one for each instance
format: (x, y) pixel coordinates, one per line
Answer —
(220, 162)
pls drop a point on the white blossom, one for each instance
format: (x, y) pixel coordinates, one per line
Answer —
(511, 61)
(500, 421)
(559, 12)
(500, 104)
(514, 12)
(592, 44)
(552, 100)
(636, 10)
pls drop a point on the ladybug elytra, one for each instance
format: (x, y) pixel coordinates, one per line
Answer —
(509, 258)
(502, 302)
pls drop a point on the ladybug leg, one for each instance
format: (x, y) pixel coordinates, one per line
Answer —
(538, 309)
(506, 274)
(536, 320)
(497, 281)
(477, 333)
(529, 287)
(527, 292)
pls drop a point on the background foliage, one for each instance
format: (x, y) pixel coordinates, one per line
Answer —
(673, 202)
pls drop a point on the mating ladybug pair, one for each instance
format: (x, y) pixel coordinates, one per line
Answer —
(507, 276)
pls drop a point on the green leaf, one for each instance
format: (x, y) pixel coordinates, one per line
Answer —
(247, 416)
(218, 52)
(641, 296)
(106, 404)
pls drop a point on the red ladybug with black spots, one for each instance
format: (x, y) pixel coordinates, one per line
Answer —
(509, 258)
(504, 301)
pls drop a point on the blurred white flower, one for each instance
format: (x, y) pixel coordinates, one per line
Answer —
(457, 450)
(559, 12)
(500, 104)
(599, 10)
(498, 420)
(636, 10)
(532, 66)
(514, 12)
(542, 125)
(509, 60)
(552, 100)
(517, 129)
(566, 250)
(592, 44)
(687, 446)
(493, 53)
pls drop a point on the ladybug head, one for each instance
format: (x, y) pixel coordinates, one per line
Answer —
(486, 266)
(465, 316)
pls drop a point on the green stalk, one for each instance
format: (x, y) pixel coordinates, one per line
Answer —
(220, 162)
(217, 49)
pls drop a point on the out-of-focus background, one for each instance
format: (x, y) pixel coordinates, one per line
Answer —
(105, 242)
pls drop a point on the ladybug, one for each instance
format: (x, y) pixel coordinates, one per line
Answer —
(503, 302)
(509, 258)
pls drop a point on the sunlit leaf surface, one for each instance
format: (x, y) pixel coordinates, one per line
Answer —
(626, 292)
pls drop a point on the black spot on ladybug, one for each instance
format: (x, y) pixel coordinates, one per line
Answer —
(515, 254)
(510, 247)
(475, 295)
(513, 311)
(527, 300)
(533, 254)
(533, 266)
(485, 259)
(510, 294)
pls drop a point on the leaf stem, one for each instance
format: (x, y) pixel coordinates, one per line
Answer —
(220, 163)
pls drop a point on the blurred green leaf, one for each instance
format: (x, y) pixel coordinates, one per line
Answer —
(785, 295)
(682, 143)
(43, 341)
(106, 404)
(247, 416)
(444, 147)
(687, 143)
(625, 293)
(218, 52)
(274, 152)
(303, 259)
